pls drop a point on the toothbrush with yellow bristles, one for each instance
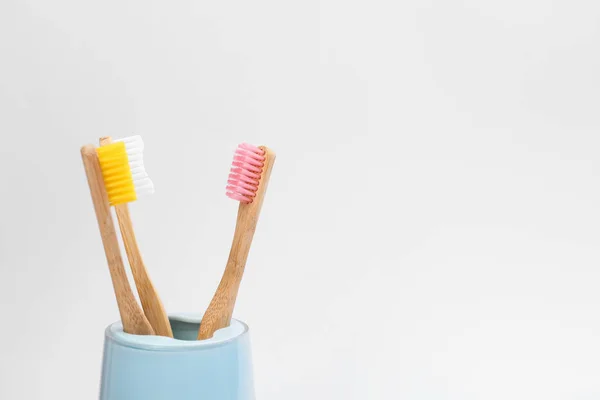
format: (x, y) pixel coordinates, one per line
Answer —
(133, 318)
(125, 179)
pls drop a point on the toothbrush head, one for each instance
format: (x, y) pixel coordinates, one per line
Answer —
(123, 170)
(244, 176)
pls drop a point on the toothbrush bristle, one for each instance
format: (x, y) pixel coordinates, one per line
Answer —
(244, 176)
(122, 165)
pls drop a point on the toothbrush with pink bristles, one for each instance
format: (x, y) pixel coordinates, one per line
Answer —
(247, 183)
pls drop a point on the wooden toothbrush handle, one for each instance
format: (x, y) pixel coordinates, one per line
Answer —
(133, 319)
(151, 303)
(219, 312)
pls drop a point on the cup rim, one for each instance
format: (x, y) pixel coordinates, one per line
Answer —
(222, 337)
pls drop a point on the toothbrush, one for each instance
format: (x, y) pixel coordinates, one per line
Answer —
(124, 175)
(133, 319)
(247, 183)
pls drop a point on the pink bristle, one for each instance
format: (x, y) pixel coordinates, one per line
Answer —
(245, 172)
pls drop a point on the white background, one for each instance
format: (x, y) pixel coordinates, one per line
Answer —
(432, 227)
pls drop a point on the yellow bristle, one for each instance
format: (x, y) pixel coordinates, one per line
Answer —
(116, 173)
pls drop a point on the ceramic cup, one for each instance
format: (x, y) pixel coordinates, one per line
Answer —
(158, 368)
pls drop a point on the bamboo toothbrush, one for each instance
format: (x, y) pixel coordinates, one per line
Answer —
(133, 319)
(247, 183)
(117, 180)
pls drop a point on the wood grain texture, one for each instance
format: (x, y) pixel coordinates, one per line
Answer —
(219, 312)
(133, 319)
(151, 303)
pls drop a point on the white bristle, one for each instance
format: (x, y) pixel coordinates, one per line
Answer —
(134, 146)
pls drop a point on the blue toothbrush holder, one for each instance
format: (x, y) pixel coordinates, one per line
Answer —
(159, 368)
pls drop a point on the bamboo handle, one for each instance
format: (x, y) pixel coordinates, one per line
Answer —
(151, 303)
(133, 319)
(219, 312)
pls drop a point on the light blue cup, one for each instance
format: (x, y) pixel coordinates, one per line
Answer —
(159, 368)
